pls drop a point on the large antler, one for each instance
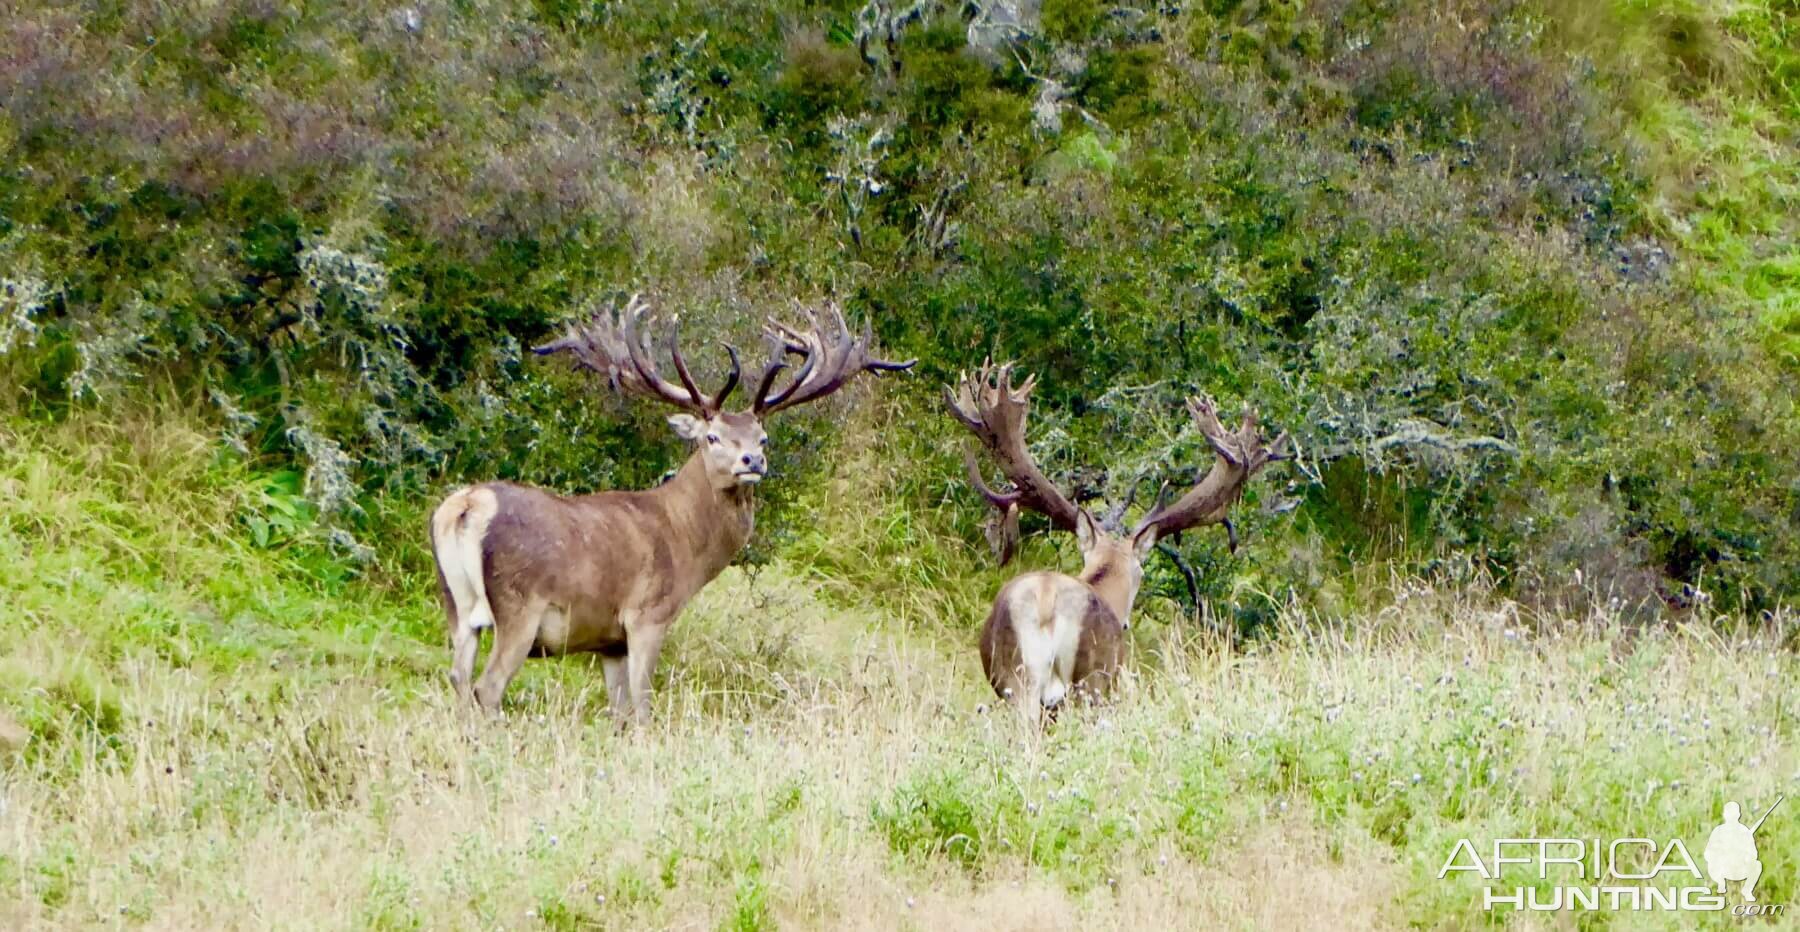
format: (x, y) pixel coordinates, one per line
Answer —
(1240, 455)
(833, 355)
(995, 411)
(612, 343)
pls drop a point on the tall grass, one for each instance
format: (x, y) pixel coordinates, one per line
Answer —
(220, 736)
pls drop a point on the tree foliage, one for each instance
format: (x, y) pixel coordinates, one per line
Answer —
(1432, 240)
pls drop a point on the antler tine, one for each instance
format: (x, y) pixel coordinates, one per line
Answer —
(1162, 496)
(1206, 418)
(1000, 382)
(881, 365)
(1000, 500)
(995, 411)
(839, 325)
(780, 344)
(961, 403)
(681, 367)
(731, 378)
(612, 342)
(770, 370)
(833, 355)
(1240, 455)
(1002, 527)
(631, 319)
(637, 346)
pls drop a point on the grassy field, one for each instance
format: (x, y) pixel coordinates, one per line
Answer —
(202, 733)
(1520, 277)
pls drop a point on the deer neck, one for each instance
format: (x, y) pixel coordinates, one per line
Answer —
(716, 521)
(1111, 581)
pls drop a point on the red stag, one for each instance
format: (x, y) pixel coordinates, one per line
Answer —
(1051, 634)
(609, 572)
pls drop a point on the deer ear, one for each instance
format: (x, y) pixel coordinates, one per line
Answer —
(688, 426)
(1085, 531)
(1144, 541)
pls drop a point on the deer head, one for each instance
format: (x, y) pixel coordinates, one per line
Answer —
(732, 444)
(995, 411)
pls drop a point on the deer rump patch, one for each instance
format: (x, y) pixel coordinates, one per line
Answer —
(1047, 635)
(459, 529)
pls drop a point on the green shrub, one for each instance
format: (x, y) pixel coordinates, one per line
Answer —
(1521, 309)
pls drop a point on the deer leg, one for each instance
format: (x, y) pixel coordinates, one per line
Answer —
(1030, 697)
(618, 686)
(464, 643)
(513, 637)
(644, 636)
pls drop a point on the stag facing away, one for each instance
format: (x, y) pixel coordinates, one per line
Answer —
(610, 572)
(1050, 635)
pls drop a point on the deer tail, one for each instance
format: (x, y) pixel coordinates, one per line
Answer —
(458, 529)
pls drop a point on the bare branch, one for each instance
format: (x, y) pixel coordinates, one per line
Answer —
(1418, 432)
(1187, 572)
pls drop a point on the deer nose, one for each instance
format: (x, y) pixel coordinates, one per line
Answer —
(754, 460)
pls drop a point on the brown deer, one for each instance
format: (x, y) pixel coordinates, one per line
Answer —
(609, 572)
(1050, 635)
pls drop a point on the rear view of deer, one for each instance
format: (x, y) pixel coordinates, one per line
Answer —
(609, 572)
(1050, 635)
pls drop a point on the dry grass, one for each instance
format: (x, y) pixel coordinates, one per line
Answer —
(279, 753)
(366, 803)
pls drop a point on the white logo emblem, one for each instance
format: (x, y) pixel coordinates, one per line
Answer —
(1731, 852)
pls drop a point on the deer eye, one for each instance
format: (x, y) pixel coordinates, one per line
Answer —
(712, 438)
(764, 441)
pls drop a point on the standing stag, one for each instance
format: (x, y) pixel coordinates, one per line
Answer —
(1050, 634)
(609, 572)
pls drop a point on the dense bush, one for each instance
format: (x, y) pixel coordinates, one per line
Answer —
(1441, 244)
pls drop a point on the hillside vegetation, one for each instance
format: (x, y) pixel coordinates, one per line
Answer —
(1520, 277)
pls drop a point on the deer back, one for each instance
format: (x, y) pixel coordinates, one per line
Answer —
(612, 550)
(1044, 613)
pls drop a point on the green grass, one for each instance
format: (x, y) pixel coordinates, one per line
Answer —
(223, 699)
(1715, 91)
(226, 735)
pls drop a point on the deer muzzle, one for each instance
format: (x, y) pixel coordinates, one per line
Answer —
(751, 468)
